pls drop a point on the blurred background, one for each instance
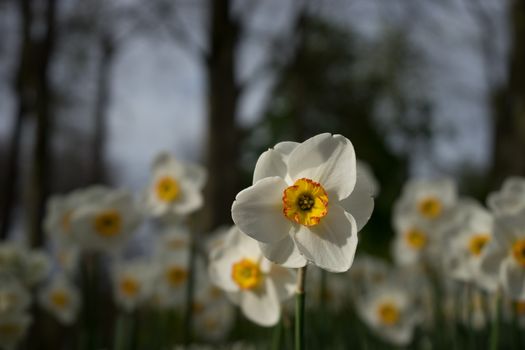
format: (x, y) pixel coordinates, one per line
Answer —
(92, 90)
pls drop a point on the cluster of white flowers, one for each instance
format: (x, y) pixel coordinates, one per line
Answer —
(21, 270)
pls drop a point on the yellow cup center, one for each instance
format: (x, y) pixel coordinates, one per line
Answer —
(518, 251)
(388, 313)
(60, 299)
(416, 238)
(10, 330)
(477, 243)
(430, 207)
(108, 223)
(167, 189)
(129, 286)
(66, 222)
(247, 274)
(176, 275)
(305, 202)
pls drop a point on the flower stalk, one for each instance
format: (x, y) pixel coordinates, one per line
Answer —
(299, 309)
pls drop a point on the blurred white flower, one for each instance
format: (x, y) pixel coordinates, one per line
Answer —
(105, 220)
(67, 258)
(14, 297)
(299, 205)
(251, 281)
(466, 240)
(510, 199)
(175, 187)
(61, 298)
(391, 313)
(426, 200)
(504, 255)
(174, 239)
(36, 267)
(132, 283)
(12, 258)
(172, 275)
(413, 240)
(367, 273)
(213, 313)
(13, 327)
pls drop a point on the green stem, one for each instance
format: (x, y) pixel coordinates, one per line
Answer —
(188, 312)
(122, 332)
(494, 335)
(277, 336)
(299, 309)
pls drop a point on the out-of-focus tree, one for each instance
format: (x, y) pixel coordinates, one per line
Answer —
(506, 91)
(327, 86)
(226, 29)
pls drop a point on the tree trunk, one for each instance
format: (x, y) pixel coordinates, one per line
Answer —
(509, 105)
(22, 88)
(41, 154)
(223, 135)
(102, 103)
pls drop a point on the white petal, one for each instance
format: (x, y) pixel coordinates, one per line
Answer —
(284, 252)
(270, 163)
(257, 210)
(286, 147)
(262, 305)
(332, 243)
(360, 202)
(220, 268)
(513, 278)
(196, 174)
(190, 199)
(329, 160)
(284, 281)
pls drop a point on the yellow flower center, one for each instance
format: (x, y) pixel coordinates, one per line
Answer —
(520, 307)
(10, 330)
(388, 313)
(66, 222)
(176, 275)
(129, 286)
(416, 238)
(108, 223)
(176, 243)
(430, 207)
(247, 274)
(477, 243)
(305, 202)
(59, 298)
(211, 324)
(518, 251)
(167, 189)
(198, 307)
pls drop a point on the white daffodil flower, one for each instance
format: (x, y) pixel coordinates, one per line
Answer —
(175, 187)
(67, 258)
(213, 313)
(300, 204)
(390, 312)
(12, 258)
(413, 239)
(250, 280)
(60, 208)
(466, 240)
(504, 255)
(36, 267)
(132, 283)
(428, 200)
(13, 327)
(14, 297)
(172, 273)
(105, 221)
(174, 239)
(510, 199)
(61, 298)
